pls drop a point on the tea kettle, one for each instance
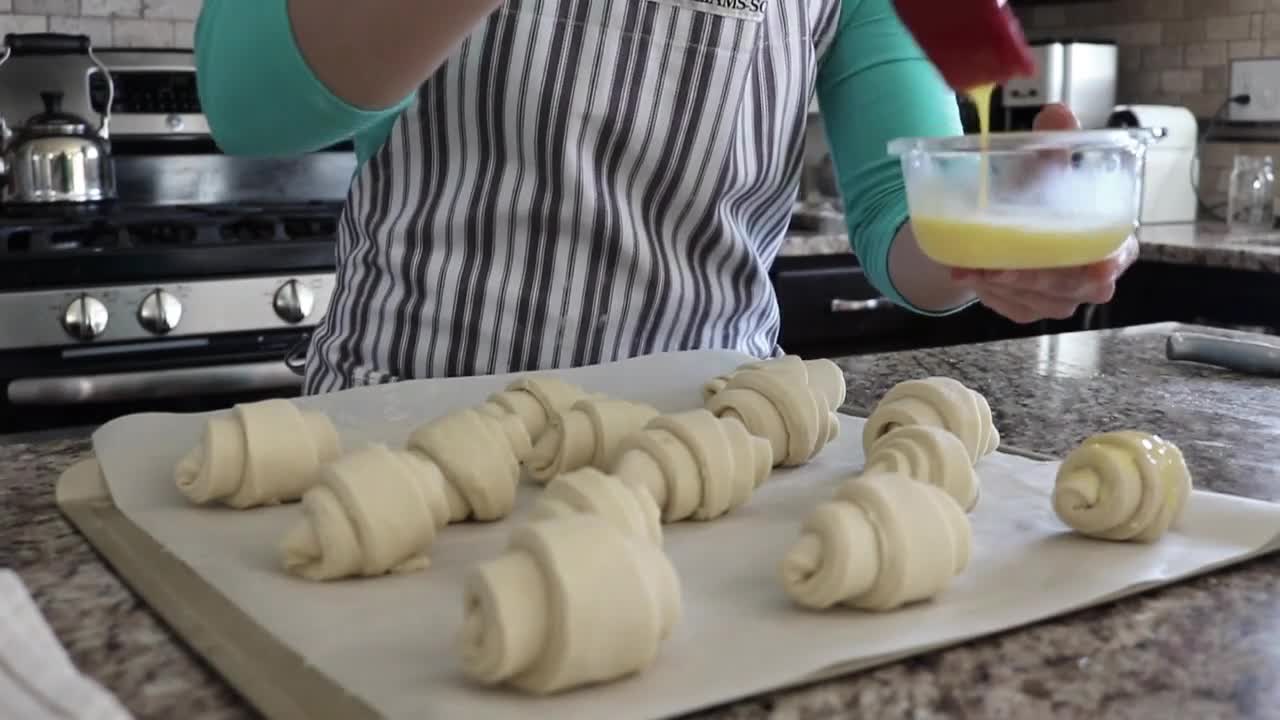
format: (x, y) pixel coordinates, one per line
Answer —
(56, 156)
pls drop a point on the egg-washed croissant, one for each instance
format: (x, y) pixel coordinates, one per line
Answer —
(573, 601)
(378, 511)
(535, 400)
(627, 506)
(885, 541)
(1125, 485)
(788, 401)
(587, 434)
(928, 454)
(260, 453)
(940, 402)
(695, 465)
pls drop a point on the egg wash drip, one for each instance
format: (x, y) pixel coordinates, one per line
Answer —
(986, 241)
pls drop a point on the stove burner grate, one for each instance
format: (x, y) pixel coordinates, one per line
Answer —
(62, 231)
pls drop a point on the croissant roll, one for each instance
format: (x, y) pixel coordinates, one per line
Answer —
(1123, 485)
(573, 601)
(884, 542)
(587, 434)
(628, 507)
(478, 454)
(927, 454)
(375, 511)
(695, 465)
(824, 376)
(782, 408)
(535, 400)
(938, 402)
(261, 453)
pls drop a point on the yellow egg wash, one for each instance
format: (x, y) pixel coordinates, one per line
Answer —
(981, 97)
(985, 245)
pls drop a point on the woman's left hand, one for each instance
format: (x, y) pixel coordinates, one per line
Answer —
(1026, 296)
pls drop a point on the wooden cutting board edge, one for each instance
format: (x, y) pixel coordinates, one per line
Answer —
(273, 678)
(270, 676)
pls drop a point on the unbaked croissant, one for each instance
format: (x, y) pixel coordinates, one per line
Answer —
(627, 506)
(941, 402)
(789, 401)
(884, 542)
(260, 453)
(823, 373)
(535, 399)
(479, 457)
(378, 510)
(1124, 485)
(375, 511)
(587, 434)
(573, 601)
(695, 465)
(928, 454)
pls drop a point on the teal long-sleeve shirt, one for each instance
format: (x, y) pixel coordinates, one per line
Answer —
(874, 85)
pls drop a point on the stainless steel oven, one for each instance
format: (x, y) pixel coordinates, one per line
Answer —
(199, 286)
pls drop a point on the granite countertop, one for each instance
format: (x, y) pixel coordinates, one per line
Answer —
(1210, 244)
(1207, 244)
(1203, 648)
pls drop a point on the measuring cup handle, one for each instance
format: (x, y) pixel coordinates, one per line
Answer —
(47, 44)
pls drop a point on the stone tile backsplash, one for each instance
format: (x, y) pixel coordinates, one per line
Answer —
(110, 23)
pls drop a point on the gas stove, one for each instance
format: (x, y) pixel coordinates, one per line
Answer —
(128, 273)
(42, 248)
(199, 286)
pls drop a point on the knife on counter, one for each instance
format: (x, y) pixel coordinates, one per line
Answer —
(1243, 356)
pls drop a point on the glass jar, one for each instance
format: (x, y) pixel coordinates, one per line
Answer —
(1251, 197)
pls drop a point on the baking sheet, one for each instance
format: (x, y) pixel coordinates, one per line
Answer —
(389, 641)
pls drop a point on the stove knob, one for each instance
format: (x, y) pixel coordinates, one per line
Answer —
(85, 318)
(160, 312)
(293, 302)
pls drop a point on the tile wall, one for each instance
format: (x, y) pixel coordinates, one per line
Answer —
(110, 23)
(1175, 52)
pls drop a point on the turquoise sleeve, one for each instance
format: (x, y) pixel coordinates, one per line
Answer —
(259, 94)
(874, 85)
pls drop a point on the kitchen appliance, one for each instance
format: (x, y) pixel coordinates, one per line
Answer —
(188, 291)
(1080, 74)
(55, 157)
(1168, 193)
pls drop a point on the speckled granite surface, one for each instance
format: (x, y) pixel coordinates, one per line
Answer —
(1211, 245)
(1202, 649)
(1206, 244)
(816, 244)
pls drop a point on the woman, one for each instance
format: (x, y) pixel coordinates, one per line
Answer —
(549, 183)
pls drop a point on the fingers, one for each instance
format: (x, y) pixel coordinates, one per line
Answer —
(1055, 116)
(1024, 308)
(1092, 284)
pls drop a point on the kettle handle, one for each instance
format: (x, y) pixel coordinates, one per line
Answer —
(59, 44)
(46, 44)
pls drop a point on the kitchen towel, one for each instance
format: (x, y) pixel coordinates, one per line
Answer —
(37, 678)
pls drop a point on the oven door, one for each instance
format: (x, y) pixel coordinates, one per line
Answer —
(90, 384)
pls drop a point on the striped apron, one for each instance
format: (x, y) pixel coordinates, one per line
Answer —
(583, 181)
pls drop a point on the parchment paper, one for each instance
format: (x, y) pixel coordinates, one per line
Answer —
(389, 641)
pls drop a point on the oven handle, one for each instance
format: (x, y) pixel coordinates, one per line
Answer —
(151, 384)
(839, 305)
